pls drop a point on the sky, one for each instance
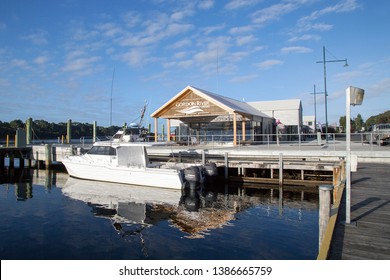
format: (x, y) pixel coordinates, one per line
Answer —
(73, 59)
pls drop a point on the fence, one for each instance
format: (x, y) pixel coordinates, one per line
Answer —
(367, 141)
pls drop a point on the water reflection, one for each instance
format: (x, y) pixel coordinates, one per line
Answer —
(217, 221)
(194, 211)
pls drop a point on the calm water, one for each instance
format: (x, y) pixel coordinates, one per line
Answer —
(47, 215)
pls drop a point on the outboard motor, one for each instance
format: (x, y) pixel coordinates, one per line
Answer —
(190, 199)
(211, 172)
(192, 176)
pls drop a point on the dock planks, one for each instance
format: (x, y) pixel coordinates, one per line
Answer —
(368, 235)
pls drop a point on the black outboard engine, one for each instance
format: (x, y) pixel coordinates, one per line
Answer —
(190, 199)
(192, 176)
(211, 172)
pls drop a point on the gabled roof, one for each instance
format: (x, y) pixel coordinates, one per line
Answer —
(289, 104)
(228, 104)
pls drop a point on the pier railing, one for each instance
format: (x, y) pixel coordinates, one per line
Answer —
(335, 141)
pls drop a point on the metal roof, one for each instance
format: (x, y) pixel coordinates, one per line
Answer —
(229, 104)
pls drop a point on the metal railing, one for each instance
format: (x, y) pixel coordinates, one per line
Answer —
(336, 141)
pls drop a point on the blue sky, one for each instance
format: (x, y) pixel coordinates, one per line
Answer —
(57, 58)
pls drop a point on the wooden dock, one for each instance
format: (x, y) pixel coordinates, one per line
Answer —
(368, 235)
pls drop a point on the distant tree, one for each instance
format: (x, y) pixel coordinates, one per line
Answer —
(16, 124)
(358, 122)
(342, 123)
(381, 118)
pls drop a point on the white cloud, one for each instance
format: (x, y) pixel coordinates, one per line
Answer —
(305, 37)
(244, 79)
(38, 38)
(110, 29)
(269, 63)
(131, 18)
(306, 23)
(341, 7)
(295, 49)
(273, 12)
(40, 60)
(206, 4)
(19, 63)
(211, 29)
(82, 65)
(238, 4)
(244, 40)
(135, 57)
(241, 29)
(181, 44)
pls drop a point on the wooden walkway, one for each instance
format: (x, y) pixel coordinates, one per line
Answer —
(368, 235)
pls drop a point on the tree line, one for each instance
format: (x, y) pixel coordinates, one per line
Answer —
(358, 124)
(43, 130)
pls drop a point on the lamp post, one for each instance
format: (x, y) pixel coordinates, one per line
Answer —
(354, 96)
(315, 106)
(324, 61)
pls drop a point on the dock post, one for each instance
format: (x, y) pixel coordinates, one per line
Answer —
(11, 161)
(280, 169)
(1, 162)
(28, 131)
(37, 164)
(7, 141)
(325, 198)
(21, 163)
(226, 165)
(203, 157)
(69, 132)
(48, 151)
(94, 132)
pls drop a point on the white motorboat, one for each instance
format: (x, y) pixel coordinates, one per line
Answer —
(128, 163)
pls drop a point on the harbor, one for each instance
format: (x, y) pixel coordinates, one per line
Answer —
(298, 168)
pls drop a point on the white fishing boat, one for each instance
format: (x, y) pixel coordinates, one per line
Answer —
(128, 163)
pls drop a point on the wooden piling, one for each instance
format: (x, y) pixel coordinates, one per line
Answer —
(1, 162)
(94, 132)
(280, 169)
(29, 131)
(226, 165)
(48, 157)
(69, 132)
(325, 198)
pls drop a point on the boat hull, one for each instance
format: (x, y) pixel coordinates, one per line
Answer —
(153, 177)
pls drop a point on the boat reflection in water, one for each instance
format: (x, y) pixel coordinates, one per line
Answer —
(131, 209)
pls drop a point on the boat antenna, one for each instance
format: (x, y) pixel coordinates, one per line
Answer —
(143, 113)
(112, 86)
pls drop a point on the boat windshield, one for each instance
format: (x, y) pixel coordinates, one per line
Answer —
(102, 150)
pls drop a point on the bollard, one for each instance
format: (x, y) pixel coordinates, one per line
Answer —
(325, 197)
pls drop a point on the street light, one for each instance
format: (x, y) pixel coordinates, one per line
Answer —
(315, 106)
(324, 61)
(354, 96)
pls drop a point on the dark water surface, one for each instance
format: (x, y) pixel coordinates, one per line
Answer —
(47, 215)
